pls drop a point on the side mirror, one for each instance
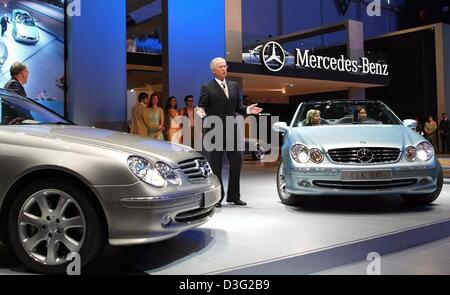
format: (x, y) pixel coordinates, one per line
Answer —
(280, 127)
(410, 123)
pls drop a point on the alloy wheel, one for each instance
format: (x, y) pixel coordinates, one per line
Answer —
(282, 183)
(51, 225)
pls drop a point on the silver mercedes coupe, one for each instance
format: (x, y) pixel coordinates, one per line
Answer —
(68, 189)
(350, 147)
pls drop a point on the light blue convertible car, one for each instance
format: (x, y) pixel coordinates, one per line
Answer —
(348, 147)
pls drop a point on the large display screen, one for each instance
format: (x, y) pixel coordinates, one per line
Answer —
(33, 33)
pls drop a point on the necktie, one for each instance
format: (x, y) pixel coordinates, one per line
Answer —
(225, 89)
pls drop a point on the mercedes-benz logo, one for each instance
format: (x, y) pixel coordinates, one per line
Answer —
(272, 56)
(365, 155)
(204, 171)
(204, 168)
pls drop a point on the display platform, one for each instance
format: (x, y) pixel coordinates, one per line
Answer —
(267, 237)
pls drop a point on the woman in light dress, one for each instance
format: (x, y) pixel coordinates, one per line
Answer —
(156, 119)
(173, 133)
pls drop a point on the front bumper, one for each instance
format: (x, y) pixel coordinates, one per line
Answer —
(139, 214)
(327, 180)
(25, 39)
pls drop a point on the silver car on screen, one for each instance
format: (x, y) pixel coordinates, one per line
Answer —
(66, 188)
(348, 154)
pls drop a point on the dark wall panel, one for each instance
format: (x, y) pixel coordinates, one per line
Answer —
(411, 58)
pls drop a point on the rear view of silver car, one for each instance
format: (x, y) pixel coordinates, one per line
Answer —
(355, 147)
(69, 189)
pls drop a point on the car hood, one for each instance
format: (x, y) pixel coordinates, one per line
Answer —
(345, 136)
(112, 140)
(27, 30)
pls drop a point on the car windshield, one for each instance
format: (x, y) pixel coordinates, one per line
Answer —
(16, 110)
(341, 113)
(28, 22)
(25, 20)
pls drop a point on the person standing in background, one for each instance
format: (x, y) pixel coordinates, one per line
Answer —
(4, 22)
(156, 115)
(188, 112)
(140, 120)
(430, 132)
(174, 121)
(444, 130)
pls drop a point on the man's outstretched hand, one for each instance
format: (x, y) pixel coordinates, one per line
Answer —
(254, 110)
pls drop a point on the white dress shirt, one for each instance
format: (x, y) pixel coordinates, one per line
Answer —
(223, 85)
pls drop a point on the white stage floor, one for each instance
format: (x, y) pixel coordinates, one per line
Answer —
(267, 237)
(263, 236)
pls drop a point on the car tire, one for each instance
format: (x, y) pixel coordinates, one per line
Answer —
(258, 154)
(285, 197)
(58, 213)
(426, 199)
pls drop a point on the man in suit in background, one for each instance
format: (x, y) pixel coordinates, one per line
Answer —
(19, 76)
(444, 129)
(140, 117)
(188, 111)
(222, 98)
(4, 23)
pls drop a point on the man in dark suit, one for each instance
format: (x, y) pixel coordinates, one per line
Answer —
(4, 23)
(444, 128)
(19, 76)
(222, 99)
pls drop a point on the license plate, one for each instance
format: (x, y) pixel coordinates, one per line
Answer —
(211, 197)
(366, 175)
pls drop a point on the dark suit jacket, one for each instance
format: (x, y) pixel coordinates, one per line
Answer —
(4, 22)
(215, 103)
(444, 126)
(14, 86)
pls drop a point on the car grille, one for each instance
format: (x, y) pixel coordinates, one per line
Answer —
(193, 215)
(196, 169)
(369, 155)
(365, 184)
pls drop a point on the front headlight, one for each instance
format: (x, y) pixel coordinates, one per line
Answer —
(145, 171)
(316, 156)
(411, 154)
(168, 173)
(425, 151)
(300, 153)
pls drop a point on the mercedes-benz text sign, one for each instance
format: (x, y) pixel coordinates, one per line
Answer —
(273, 58)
